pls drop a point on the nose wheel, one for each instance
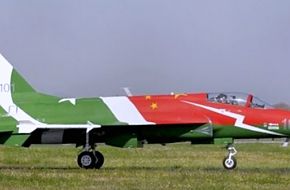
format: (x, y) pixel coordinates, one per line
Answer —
(230, 162)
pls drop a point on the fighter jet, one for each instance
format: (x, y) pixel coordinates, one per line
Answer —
(29, 117)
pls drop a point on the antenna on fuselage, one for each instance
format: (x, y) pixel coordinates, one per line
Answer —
(127, 91)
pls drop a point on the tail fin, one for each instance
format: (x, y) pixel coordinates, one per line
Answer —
(10, 80)
(11, 87)
(13, 119)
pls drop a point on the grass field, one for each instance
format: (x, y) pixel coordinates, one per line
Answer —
(177, 166)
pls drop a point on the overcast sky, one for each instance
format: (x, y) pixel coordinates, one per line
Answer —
(90, 48)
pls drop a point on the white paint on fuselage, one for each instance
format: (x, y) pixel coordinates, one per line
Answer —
(239, 119)
(125, 111)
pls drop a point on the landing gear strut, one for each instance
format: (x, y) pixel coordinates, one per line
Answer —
(89, 158)
(230, 161)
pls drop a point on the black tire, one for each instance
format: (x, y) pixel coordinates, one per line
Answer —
(86, 160)
(99, 160)
(230, 164)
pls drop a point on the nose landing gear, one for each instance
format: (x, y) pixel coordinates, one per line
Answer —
(230, 161)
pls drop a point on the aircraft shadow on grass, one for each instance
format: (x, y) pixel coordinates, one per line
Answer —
(149, 168)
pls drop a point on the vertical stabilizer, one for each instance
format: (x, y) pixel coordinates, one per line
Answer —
(10, 80)
(12, 83)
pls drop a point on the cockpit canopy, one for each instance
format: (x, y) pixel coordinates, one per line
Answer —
(239, 99)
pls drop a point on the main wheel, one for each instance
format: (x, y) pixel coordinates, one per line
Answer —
(99, 160)
(230, 163)
(87, 160)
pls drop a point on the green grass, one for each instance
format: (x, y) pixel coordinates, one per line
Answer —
(177, 166)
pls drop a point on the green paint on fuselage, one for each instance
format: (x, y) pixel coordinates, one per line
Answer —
(239, 133)
(8, 131)
(7, 124)
(17, 139)
(19, 85)
(48, 109)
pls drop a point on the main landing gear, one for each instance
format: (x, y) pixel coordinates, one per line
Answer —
(230, 161)
(89, 158)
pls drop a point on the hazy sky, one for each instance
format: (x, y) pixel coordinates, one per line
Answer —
(96, 47)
